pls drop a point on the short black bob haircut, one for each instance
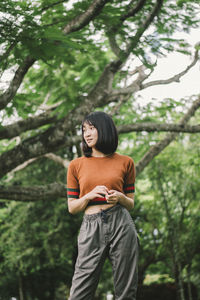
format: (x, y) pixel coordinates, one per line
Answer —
(107, 133)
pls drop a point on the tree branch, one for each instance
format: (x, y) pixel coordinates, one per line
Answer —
(82, 20)
(8, 95)
(19, 168)
(135, 86)
(112, 31)
(56, 190)
(123, 55)
(58, 159)
(35, 193)
(133, 11)
(157, 127)
(138, 83)
(52, 5)
(55, 137)
(113, 44)
(156, 149)
(21, 126)
(5, 55)
(175, 78)
(148, 127)
(144, 27)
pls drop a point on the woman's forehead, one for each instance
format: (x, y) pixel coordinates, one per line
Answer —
(87, 123)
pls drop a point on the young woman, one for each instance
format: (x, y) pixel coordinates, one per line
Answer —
(101, 183)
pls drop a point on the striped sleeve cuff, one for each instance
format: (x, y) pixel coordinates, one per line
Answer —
(73, 193)
(129, 188)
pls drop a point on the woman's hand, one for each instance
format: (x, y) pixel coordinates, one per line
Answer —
(98, 192)
(113, 197)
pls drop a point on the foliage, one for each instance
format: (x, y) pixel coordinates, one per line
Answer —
(169, 211)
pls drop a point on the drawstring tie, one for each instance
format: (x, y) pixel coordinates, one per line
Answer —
(104, 216)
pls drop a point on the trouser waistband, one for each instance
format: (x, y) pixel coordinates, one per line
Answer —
(103, 213)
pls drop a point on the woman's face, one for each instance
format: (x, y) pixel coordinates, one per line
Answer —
(90, 134)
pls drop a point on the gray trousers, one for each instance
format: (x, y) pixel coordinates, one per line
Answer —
(110, 233)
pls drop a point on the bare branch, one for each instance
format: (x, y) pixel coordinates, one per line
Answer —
(82, 20)
(19, 168)
(35, 193)
(175, 78)
(58, 159)
(135, 86)
(157, 127)
(7, 96)
(21, 126)
(138, 85)
(158, 147)
(116, 108)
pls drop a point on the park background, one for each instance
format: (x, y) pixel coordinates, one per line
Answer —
(137, 61)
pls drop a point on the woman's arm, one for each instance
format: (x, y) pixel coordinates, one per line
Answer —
(78, 205)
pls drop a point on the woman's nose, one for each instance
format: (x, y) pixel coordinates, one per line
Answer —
(87, 133)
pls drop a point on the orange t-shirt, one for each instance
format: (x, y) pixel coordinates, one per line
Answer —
(116, 172)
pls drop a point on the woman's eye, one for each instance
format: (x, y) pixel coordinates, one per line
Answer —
(90, 128)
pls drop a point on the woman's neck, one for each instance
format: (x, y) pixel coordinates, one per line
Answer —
(96, 153)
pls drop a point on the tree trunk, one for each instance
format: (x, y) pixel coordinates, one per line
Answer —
(21, 294)
(180, 283)
(189, 283)
(174, 239)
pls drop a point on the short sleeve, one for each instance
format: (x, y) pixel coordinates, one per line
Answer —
(72, 182)
(129, 182)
